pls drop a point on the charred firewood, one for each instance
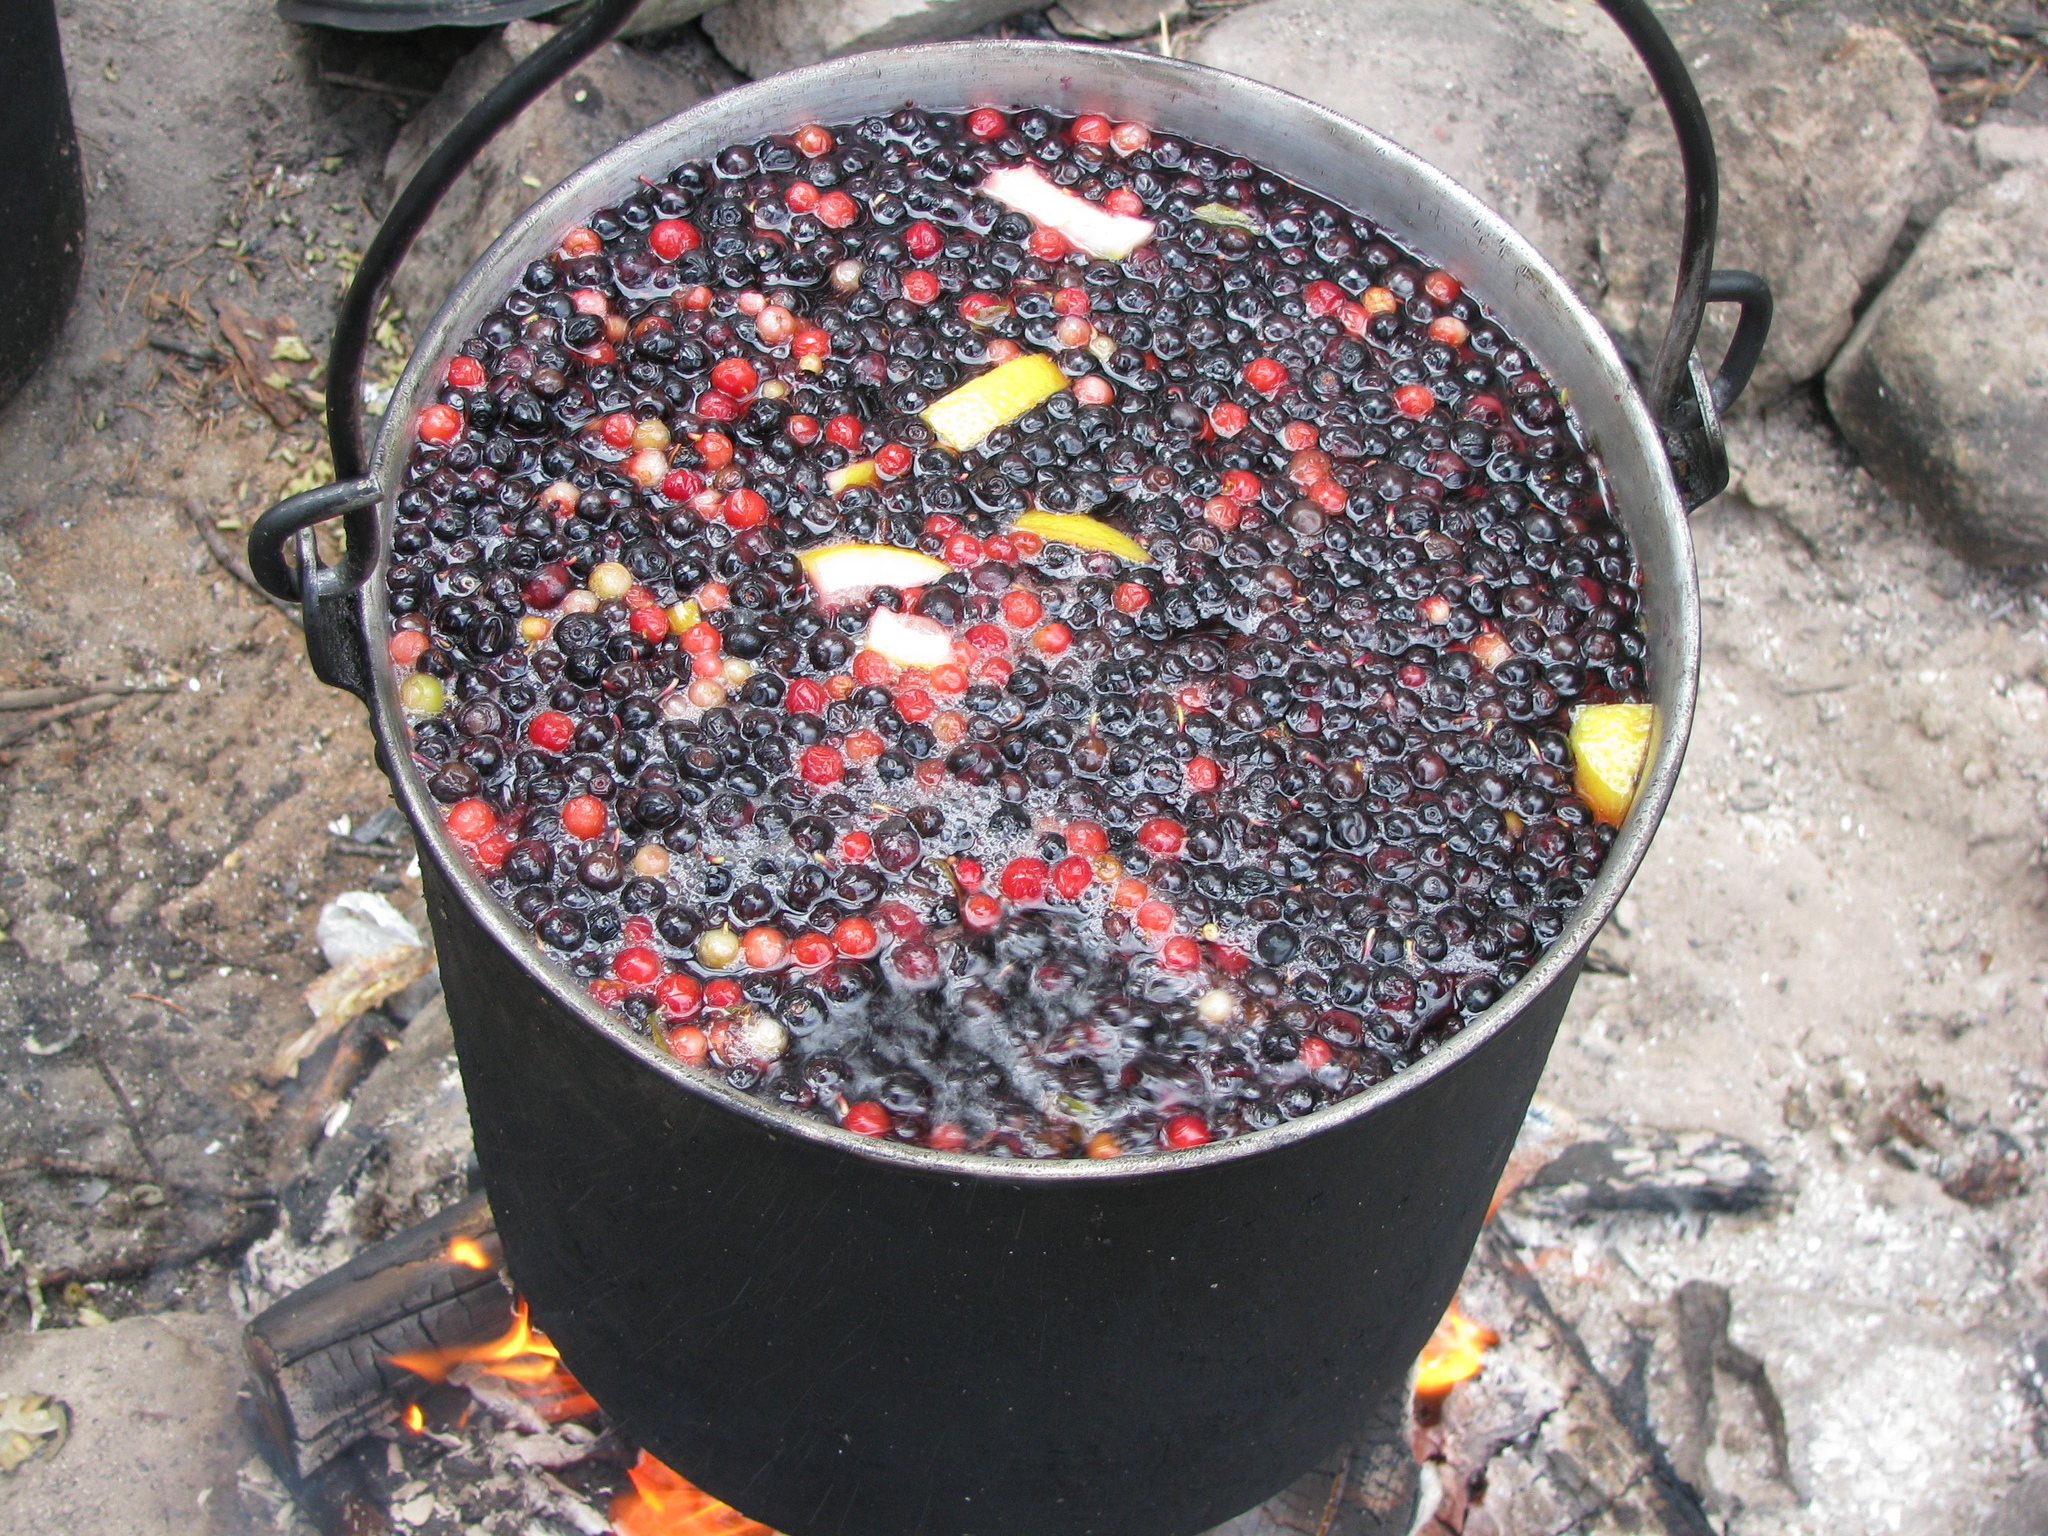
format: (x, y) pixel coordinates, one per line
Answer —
(322, 1357)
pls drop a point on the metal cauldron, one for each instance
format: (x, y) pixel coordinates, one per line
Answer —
(838, 1335)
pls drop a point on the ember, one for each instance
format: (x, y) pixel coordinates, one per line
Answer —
(521, 1356)
(664, 1503)
(1454, 1353)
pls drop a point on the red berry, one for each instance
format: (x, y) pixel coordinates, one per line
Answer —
(745, 509)
(650, 624)
(670, 238)
(1265, 374)
(1442, 288)
(914, 705)
(809, 341)
(717, 405)
(617, 429)
(1242, 486)
(471, 820)
(637, 966)
(678, 996)
(1315, 1052)
(1123, 200)
(868, 1118)
(1046, 244)
(900, 920)
(491, 851)
(735, 376)
(1162, 837)
(715, 448)
(802, 430)
(922, 240)
(408, 645)
(688, 1044)
(1130, 597)
(465, 372)
(584, 817)
(844, 430)
(806, 696)
(872, 669)
(968, 872)
(1090, 129)
(1204, 774)
(802, 197)
(681, 484)
(980, 911)
(1227, 419)
(836, 210)
(947, 1137)
(1053, 639)
(919, 286)
(892, 461)
(763, 948)
(722, 993)
(1414, 400)
(440, 424)
(949, 679)
(702, 639)
(1021, 609)
(813, 141)
(1072, 876)
(1025, 879)
(1087, 837)
(856, 938)
(857, 847)
(1153, 918)
(962, 550)
(1129, 138)
(1180, 953)
(808, 951)
(986, 637)
(822, 765)
(1184, 1131)
(1322, 298)
(551, 731)
(986, 123)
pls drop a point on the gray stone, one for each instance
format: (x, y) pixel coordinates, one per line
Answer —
(1820, 134)
(610, 96)
(1114, 18)
(764, 37)
(155, 1436)
(1943, 388)
(663, 15)
(1521, 105)
(2001, 146)
(2024, 1509)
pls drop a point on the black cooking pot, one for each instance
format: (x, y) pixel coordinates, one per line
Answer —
(840, 1335)
(42, 192)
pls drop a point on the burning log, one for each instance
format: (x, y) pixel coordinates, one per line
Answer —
(326, 1359)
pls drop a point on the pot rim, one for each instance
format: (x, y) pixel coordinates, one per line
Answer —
(1515, 262)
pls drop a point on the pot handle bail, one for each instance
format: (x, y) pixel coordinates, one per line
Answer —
(325, 593)
(1685, 403)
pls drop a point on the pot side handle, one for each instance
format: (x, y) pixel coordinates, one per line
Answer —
(325, 593)
(1685, 403)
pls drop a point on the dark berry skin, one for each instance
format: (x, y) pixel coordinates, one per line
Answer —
(1168, 851)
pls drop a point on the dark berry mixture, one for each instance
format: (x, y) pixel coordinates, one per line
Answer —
(1015, 633)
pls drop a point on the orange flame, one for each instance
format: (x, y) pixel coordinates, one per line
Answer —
(414, 1418)
(665, 1503)
(466, 1252)
(1454, 1353)
(521, 1355)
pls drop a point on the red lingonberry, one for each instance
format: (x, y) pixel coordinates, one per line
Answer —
(1123, 200)
(987, 637)
(617, 429)
(681, 484)
(986, 123)
(581, 242)
(1162, 837)
(845, 431)
(1087, 837)
(717, 405)
(1184, 1131)
(1072, 302)
(810, 341)
(919, 286)
(763, 948)
(1021, 609)
(440, 424)
(873, 669)
(822, 765)
(678, 996)
(836, 210)
(465, 372)
(1130, 597)
(1329, 495)
(867, 1118)
(735, 376)
(1089, 128)
(1048, 244)
(723, 992)
(980, 912)
(802, 197)
(857, 847)
(1265, 374)
(892, 461)
(949, 678)
(802, 430)
(1414, 400)
(1449, 330)
(470, 820)
(808, 951)
(702, 639)
(962, 550)
(1204, 774)
(922, 240)
(969, 873)
(670, 238)
(813, 141)
(1072, 876)
(855, 937)
(915, 704)
(551, 731)
(1227, 418)
(715, 449)
(1025, 879)
(1442, 288)
(1315, 1052)
(1241, 485)
(650, 624)
(408, 645)
(1153, 918)
(947, 1137)
(745, 509)
(1129, 138)
(1053, 639)
(637, 966)
(1180, 953)
(584, 817)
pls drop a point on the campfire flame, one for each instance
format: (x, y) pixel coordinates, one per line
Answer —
(665, 1503)
(520, 1355)
(1454, 1353)
(467, 1252)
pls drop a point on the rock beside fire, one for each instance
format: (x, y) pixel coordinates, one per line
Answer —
(1942, 388)
(764, 37)
(611, 95)
(1820, 134)
(1512, 102)
(155, 1439)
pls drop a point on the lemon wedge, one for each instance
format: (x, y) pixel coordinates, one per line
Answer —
(966, 415)
(1610, 744)
(909, 639)
(1084, 532)
(861, 473)
(838, 568)
(1102, 234)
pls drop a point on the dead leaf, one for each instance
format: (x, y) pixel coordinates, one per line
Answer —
(32, 1426)
(243, 332)
(344, 993)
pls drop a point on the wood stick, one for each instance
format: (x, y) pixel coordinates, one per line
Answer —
(321, 1357)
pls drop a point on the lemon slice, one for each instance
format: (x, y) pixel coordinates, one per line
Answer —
(1084, 532)
(968, 414)
(908, 639)
(838, 568)
(1610, 744)
(862, 473)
